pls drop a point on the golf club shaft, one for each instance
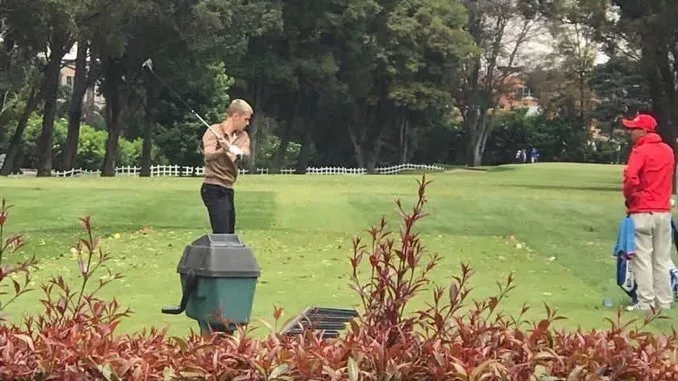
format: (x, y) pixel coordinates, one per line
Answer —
(182, 101)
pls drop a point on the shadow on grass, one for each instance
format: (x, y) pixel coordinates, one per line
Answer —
(610, 188)
(487, 169)
(502, 168)
(254, 210)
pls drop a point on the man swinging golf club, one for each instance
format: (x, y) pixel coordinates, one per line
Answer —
(224, 144)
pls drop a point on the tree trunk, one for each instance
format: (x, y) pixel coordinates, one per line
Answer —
(582, 100)
(259, 97)
(7, 46)
(3, 131)
(17, 137)
(479, 128)
(89, 106)
(50, 87)
(149, 121)
(477, 125)
(254, 139)
(279, 156)
(357, 148)
(371, 162)
(476, 154)
(113, 122)
(364, 116)
(367, 145)
(75, 108)
(113, 92)
(404, 133)
(374, 150)
(288, 131)
(305, 151)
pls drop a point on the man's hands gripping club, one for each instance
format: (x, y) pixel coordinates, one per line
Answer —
(236, 151)
(231, 148)
(216, 146)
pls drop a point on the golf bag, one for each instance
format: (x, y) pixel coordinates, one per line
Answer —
(625, 278)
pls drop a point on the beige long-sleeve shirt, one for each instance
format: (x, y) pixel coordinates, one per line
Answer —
(221, 167)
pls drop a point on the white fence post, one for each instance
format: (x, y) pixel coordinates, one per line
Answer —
(176, 170)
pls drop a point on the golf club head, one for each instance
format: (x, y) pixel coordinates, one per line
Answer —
(147, 64)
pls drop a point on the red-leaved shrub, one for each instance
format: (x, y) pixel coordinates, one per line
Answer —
(451, 339)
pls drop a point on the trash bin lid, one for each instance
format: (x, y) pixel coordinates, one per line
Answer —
(217, 256)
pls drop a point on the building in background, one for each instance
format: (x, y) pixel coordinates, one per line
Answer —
(93, 101)
(516, 94)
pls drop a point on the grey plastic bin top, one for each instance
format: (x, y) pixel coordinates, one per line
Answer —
(217, 256)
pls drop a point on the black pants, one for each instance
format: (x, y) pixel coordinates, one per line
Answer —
(220, 207)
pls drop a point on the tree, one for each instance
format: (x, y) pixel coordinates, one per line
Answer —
(21, 67)
(89, 20)
(395, 57)
(619, 85)
(574, 42)
(56, 18)
(500, 29)
(254, 54)
(28, 97)
(80, 83)
(645, 30)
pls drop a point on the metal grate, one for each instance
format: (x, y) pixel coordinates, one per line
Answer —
(328, 322)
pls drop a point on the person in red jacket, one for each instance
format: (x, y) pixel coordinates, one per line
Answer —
(648, 188)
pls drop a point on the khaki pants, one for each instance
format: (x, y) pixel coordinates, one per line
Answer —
(652, 263)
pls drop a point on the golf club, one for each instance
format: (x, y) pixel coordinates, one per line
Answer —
(148, 64)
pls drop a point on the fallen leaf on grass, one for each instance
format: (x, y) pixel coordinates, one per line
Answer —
(145, 230)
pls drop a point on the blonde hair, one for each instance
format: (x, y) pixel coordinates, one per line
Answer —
(239, 106)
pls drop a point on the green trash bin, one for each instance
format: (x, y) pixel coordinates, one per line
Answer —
(218, 276)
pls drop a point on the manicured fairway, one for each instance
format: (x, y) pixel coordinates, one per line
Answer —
(564, 215)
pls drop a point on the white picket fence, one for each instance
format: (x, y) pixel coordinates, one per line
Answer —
(185, 171)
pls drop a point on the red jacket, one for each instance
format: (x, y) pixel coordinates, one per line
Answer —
(648, 176)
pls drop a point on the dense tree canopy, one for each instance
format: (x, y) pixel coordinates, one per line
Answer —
(333, 82)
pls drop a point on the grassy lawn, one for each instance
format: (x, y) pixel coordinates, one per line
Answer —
(301, 228)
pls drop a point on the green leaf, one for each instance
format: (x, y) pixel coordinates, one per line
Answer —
(108, 373)
(577, 373)
(353, 369)
(168, 374)
(181, 343)
(279, 371)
